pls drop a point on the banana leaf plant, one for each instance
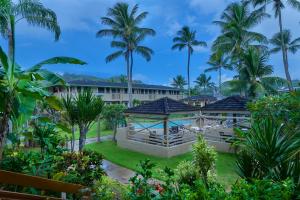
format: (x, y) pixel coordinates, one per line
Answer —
(21, 89)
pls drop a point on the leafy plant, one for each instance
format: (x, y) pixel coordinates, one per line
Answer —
(87, 109)
(269, 151)
(113, 114)
(204, 158)
(81, 168)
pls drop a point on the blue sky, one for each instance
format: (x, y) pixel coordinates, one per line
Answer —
(80, 20)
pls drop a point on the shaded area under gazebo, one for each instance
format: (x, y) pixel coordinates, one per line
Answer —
(162, 127)
(219, 119)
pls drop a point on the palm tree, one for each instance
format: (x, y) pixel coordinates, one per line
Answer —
(88, 107)
(218, 61)
(236, 23)
(290, 45)
(186, 38)
(204, 82)
(179, 82)
(278, 5)
(127, 36)
(32, 11)
(256, 73)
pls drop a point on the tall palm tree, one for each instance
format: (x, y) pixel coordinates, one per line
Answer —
(236, 23)
(204, 82)
(186, 38)
(219, 61)
(290, 46)
(32, 11)
(257, 73)
(127, 36)
(278, 5)
(179, 82)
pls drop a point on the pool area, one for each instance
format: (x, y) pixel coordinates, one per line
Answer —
(159, 125)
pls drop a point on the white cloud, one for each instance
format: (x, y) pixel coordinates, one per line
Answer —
(173, 28)
(209, 7)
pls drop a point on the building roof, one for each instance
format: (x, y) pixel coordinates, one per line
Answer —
(163, 106)
(200, 98)
(89, 83)
(232, 103)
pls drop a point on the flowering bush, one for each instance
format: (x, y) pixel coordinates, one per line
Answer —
(81, 168)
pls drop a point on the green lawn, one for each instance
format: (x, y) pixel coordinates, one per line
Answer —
(92, 133)
(129, 159)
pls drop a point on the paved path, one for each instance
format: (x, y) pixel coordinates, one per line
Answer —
(114, 171)
(89, 141)
(117, 172)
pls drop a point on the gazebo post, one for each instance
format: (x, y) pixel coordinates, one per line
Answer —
(166, 132)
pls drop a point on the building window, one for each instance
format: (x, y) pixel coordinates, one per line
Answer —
(163, 91)
(101, 90)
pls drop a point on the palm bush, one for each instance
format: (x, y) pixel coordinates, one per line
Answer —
(269, 151)
(88, 107)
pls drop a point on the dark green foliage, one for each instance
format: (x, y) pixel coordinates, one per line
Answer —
(263, 190)
(140, 188)
(113, 115)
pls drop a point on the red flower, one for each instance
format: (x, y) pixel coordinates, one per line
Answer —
(159, 188)
(139, 191)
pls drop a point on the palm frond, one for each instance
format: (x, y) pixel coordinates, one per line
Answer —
(113, 56)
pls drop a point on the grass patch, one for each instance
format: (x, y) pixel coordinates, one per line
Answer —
(225, 162)
(92, 133)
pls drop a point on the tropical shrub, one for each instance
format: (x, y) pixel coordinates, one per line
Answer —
(109, 189)
(82, 168)
(270, 151)
(204, 158)
(186, 173)
(113, 115)
(140, 187)
(48, 139)
(283, 108)
(262, 189)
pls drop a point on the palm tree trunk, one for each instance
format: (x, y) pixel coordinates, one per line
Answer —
(11, 39)
(220, 79)
(129, 83)
(188, 71)
(284, 56)
(82, 137)
(130, 80)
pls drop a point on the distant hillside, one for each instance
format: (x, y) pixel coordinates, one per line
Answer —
(115, 79)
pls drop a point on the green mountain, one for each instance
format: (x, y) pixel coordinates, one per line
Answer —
(115, 79)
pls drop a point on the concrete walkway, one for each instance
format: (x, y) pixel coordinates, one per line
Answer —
(114, 171)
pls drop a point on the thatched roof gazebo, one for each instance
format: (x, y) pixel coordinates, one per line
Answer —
(162, 124)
